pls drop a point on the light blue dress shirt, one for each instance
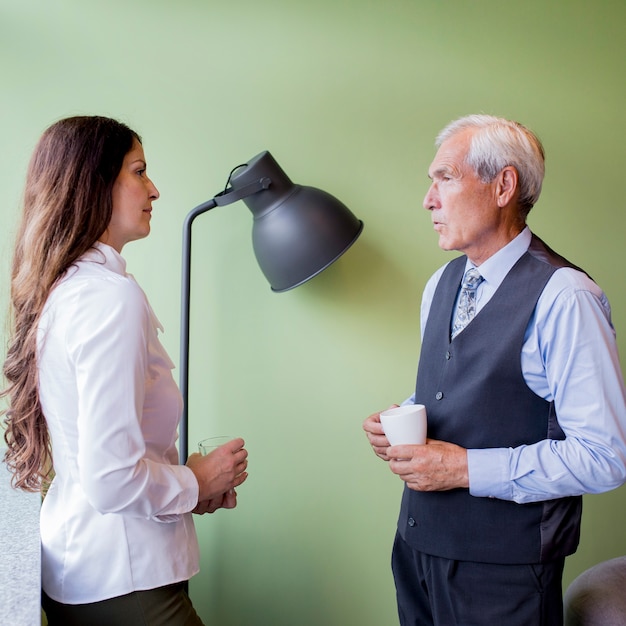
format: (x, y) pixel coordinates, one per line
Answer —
(570, 357)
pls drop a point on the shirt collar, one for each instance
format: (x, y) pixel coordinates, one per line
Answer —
(496, 267)
(113, 260)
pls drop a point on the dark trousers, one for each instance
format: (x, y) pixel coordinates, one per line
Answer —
(441, 592)
(165, 606)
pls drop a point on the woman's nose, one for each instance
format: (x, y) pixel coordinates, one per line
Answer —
(154, 192)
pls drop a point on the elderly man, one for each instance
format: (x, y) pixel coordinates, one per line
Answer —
(523, 390)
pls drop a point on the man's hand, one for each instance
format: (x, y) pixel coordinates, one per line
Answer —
(435, 466)
(374, 431)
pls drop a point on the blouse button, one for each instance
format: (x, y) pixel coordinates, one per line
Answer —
(439, 395)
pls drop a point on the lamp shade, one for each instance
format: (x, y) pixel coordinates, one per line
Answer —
(297, 230)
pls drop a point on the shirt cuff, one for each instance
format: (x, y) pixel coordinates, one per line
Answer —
(188, 498)
(192, 489)
(487, 470)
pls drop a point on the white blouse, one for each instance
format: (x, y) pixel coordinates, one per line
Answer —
(117, 516)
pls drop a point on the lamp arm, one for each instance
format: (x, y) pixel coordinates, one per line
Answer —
(230, 195)
(221, 199)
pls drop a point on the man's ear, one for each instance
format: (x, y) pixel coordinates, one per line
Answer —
(506, 186)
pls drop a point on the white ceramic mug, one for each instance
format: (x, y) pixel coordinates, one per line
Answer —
(405, 424)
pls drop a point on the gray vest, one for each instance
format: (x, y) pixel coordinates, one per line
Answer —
(476, 397)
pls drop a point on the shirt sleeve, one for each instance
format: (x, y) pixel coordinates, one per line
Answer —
(108, 343)
(569, 357)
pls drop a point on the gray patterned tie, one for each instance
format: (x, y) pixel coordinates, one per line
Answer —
(466, 308)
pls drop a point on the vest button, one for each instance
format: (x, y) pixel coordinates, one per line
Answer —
(448, 355)
(439, 395)
(411, 521)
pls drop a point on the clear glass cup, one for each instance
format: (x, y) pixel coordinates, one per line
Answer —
(206, 445)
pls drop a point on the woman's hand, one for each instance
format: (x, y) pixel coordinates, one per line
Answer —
(227, 500)
(218, 474)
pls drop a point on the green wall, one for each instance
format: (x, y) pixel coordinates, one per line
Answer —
(348, 96)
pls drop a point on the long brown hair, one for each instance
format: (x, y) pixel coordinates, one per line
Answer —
(67, 207)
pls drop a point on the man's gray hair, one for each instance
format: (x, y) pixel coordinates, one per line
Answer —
(497, 143)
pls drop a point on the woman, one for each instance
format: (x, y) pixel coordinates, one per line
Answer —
(91, 393)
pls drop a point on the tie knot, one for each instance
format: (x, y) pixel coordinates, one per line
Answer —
(472, 279)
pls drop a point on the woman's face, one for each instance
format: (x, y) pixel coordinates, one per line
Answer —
(133, 193)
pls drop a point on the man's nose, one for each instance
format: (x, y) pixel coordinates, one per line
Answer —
(430, 199)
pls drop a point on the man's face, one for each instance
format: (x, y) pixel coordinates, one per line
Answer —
(464, 210)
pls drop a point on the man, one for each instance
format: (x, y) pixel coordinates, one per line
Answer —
(526, 404)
